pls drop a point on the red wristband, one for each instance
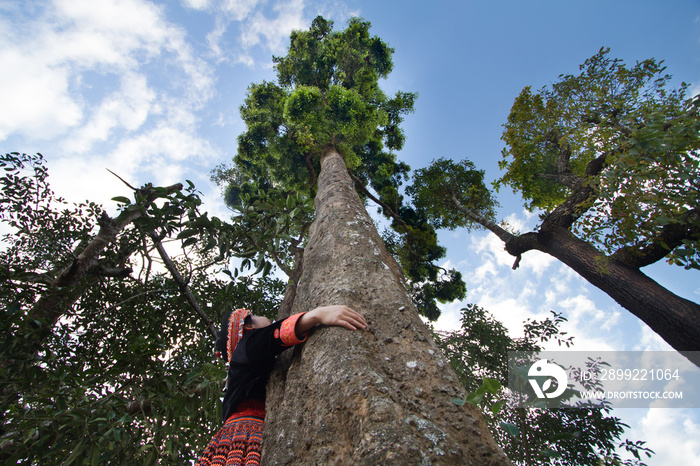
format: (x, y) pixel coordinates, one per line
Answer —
(288, 333)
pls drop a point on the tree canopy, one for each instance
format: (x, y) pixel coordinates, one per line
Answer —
(327, 94)
(644, 136)
(122, 367)
(610, 158)
(478, 352)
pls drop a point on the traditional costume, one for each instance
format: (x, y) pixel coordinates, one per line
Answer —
(251, 357)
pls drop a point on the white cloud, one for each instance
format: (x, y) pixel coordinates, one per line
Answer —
(450, 317)
(105, 84)
(650, 341)
(694, 90)
(34, 96)
(197, 4)
(253, 23)
(162, 156)
(78, 179)
(161, 152)
(510, 311)
(243, 25)
(239, 9)
(673, 434)
(127, 108)
(491, 246)
(46, 94)
(274, 32)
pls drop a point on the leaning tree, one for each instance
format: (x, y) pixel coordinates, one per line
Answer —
(321, 132)
(611, 159)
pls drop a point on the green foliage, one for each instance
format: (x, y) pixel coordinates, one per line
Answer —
(127, 374)
(273, 223)
(488, 386)
(622, 133)
(443, 288)
(417, 251)
(478, 353)
(327, 94)
(26, 206)
(441, 188)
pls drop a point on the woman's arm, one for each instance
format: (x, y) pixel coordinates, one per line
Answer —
(338, 316)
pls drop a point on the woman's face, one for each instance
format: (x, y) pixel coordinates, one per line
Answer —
(259, 321)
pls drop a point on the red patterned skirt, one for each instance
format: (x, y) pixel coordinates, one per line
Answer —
(239, 441)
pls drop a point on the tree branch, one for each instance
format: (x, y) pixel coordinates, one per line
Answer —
(383, 205)
(483, 221)
(582, 197)
(515, 245)
(49, 307)
(182, 284)
(670, 237)
(115, 272)
(290, 293)
(287, 271)
(130, 298)
(310, 169)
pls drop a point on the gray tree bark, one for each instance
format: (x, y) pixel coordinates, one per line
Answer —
(379, 396)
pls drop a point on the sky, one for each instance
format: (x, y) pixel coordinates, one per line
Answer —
(151, 90)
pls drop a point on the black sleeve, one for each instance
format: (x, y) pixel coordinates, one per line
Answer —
(265, 343)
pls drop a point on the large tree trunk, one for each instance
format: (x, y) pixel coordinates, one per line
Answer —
(675, 319)
(379, 396)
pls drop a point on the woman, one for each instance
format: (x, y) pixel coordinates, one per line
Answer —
(250, 345)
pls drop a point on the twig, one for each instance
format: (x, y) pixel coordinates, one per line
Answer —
(182, 284)
(120, 178)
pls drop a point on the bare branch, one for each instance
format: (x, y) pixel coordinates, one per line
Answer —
(131, 298)
(386, 208)
(483, 221)
(115, 272)
(670, 237)
(121, 179)
(563, 159)
(182, 284)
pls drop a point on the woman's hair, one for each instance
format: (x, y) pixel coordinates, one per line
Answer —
(222, 337)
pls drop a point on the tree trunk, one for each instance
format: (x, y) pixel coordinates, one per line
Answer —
(379, 396)
(675, 319)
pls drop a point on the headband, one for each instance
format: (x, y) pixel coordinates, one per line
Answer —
(236, 323)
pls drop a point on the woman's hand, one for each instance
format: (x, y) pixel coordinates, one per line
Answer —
(337, 316)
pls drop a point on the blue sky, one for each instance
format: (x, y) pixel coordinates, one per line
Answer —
(151, 90)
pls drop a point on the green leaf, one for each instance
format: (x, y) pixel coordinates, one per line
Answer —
(496, 408)
(491, 385)
(511, 429)
(187, 233)
(13, 308)
(122, 199)
(77, 451)
(549, 453)
(189, 242)
(95, 456)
